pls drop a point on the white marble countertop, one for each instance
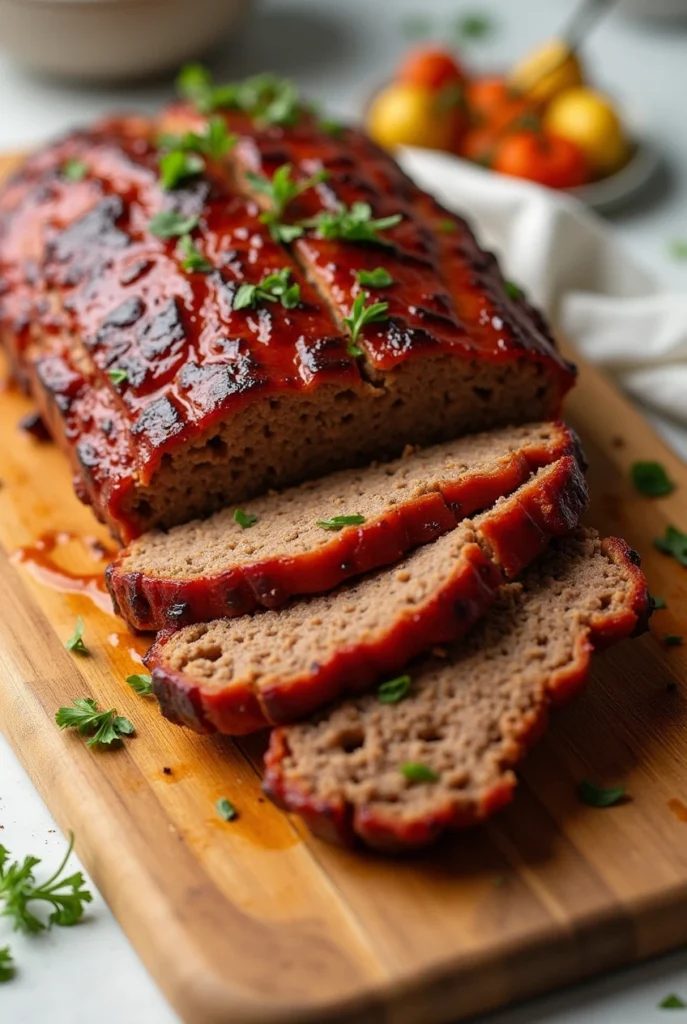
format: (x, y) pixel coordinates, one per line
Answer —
(337, 52)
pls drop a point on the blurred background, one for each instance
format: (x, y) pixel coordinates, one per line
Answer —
(63, 62)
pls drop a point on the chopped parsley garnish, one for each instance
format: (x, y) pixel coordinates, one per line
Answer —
(273, 288)
(657, 602)
(191, 257)
(75, 642)
(394, 690)
(6, 964)
(177, 166)
(673, 640)
(338, 522)
(673, 543)
(471, 27)
(360, 315)
(330, 126)
(651, 479)
(226, 809)
(214, 141)
(18, 889)
(117, 376)
(141, 684)
(678, 248)
(281, 191)
(170, 224)
(513, 291)
(353, 224)
(245, 519)
(672, 1002)
(447, 226)
(103, 727)
(597, 796)
(267, 98)
(377, 278)
(74, 170)
(413, 771)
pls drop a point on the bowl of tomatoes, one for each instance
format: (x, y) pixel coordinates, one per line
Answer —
(541, 121)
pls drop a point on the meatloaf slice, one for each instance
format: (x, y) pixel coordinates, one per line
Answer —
(469, 716)
(216, 567)
(236, 675)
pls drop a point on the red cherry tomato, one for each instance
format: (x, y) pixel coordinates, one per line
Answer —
(542, 157)
(484, 96)
(430, 67)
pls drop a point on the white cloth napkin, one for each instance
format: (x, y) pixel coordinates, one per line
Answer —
(570, 264)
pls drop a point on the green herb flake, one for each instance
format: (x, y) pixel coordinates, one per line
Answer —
(394, 690)
(651, 479)
(117, 376)
(226, 809)
(447, 227)
(474, 27)
(597, 796)
(6, 964)
(338, 522)
(377, 278)
(673, 640)
(672, 1002)
(678, 249)
(177, 166)
(673, 543)
(657, 603)
(192, 260)
(245, 519)
(74, 170)
(18, 888)
(513, 291)
(170, 224)
(141, 684)
(353, 224)
(266, 98)
(330, 127)
(281, 191)
(76, 642)
(273, 288)
(361, 314)
(413, 771)
(213, 141)
(103, 727)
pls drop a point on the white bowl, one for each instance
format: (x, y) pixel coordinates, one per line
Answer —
(113, 40)
(630, 180)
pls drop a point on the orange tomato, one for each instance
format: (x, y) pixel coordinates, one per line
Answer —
(478, 144)
(486, 96)
(430, 67)
(542, 157)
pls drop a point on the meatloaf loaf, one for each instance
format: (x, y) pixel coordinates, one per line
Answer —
(395, 775)
(237, 675)
(176, 386)
(310, 538)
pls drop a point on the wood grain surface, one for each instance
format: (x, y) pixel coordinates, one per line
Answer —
(256, 921)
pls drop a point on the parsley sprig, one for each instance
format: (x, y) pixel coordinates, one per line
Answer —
(394, 690)
(281, 191)
(117, 376)
(360, 315)
(598, 796)
(177, 166)
(245, 519)
(338, 522)
(226, 809)
(414, 771)
(170, 224)
(76, 641)
(377, 278)
(353, 223)
(213, 142)
(18, 889)
(651, 479)
(266, 98)
(192, 259)
(74, 170)
(673, 542)
(103, 728)
(141, 683)
(6, 964)
(273, 288)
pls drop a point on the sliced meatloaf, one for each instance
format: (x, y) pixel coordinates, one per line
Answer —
(236, 675)
(288, 543)
(397, 775)
(134, 310)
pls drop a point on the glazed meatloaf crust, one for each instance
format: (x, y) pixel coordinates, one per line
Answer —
(237, 675)
(397, 775)
(172, 397)
(292, 542)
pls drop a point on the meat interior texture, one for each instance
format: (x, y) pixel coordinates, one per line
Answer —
(470, 714)
(170, 402)
(216, 567)
(237, 675)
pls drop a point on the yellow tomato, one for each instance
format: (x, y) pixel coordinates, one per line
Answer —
(589, 119)
(546, 72)
(410, 115)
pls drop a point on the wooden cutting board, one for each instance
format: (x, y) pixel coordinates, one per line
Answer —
(256, 921)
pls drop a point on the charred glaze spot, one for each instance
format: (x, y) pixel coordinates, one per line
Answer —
(84, 246)
(158, 335)
(126, 314)
(320, 355)
(176, 613)
(158, 423)
(34, 424)
(401, 339)
(59, 380)
(209, 387)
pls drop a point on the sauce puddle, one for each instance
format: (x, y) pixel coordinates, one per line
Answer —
(678, 808)
(39, 562)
